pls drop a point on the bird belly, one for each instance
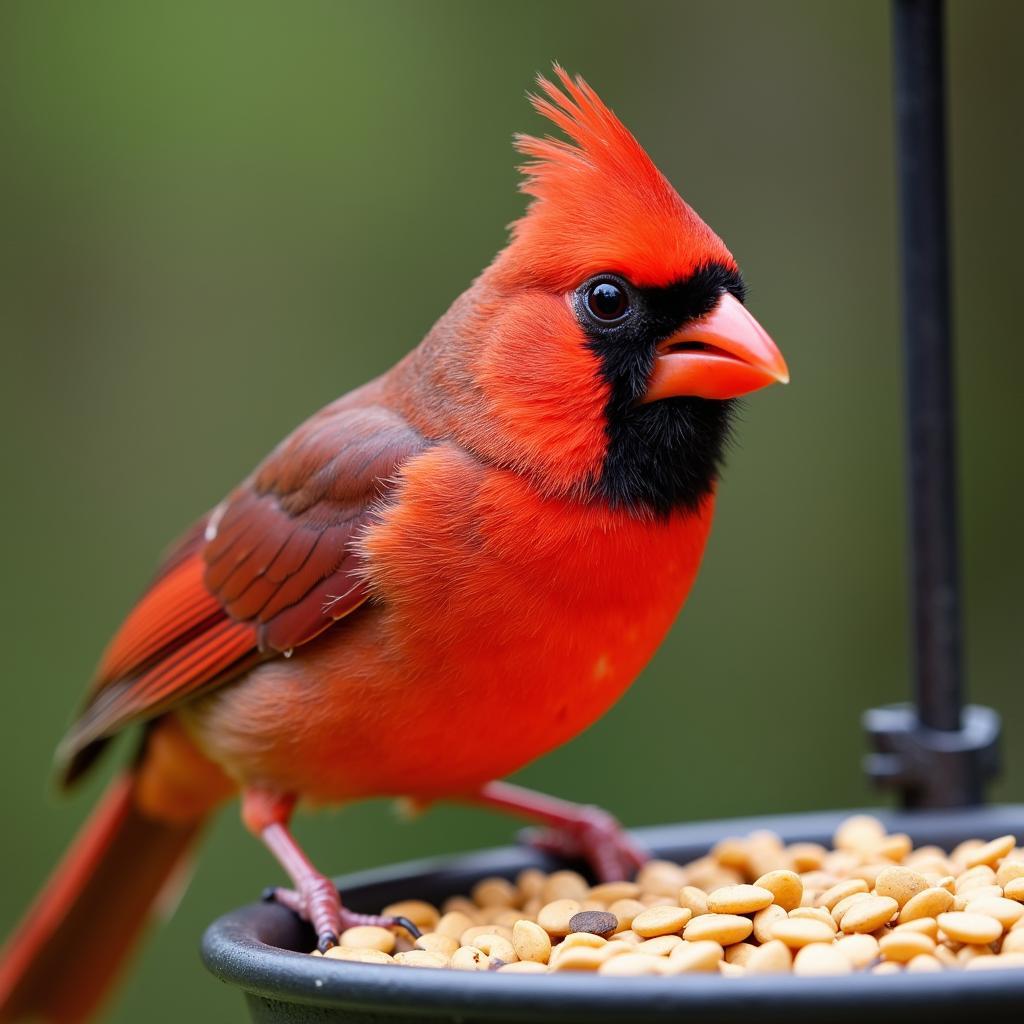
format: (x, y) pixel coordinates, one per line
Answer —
(501, 625)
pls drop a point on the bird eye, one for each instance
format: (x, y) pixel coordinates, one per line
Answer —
(606, 301)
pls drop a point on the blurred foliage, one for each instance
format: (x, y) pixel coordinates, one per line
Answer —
(218, 216)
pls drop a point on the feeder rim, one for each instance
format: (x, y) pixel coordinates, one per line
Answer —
(240, 948)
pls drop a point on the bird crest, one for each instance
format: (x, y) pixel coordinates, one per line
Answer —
(599, 202)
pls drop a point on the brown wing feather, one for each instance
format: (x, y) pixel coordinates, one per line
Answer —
(272, 568)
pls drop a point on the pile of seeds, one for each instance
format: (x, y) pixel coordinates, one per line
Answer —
(751, 906)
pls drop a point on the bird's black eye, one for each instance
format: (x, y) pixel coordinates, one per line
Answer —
(606, 301)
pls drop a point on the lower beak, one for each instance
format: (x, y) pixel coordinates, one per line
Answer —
(723, 355)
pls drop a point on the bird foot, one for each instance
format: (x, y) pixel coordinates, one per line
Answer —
(317, 901)
(597, 837)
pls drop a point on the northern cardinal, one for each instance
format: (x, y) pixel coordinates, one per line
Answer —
(436, 578)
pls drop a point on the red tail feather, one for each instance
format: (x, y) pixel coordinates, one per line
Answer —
(67, 952)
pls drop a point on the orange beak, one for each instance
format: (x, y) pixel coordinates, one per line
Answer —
(723, 355)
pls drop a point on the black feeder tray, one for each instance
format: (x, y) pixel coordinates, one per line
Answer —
(936, 753)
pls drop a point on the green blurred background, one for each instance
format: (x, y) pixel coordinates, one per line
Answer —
(217, 216)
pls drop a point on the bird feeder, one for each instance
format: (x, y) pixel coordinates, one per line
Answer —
(937, 753)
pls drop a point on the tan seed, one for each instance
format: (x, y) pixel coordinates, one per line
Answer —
(609, 892)
(772, 957)
(975, 929)
(497, 947)
(975, 892)
(901, 884)
(797, 932)
(991, 852)
(625, 910)
(859, 832)
(695, 957)
(631, 964)
(531, 942)
(522, 967)
(564, 885)
(806, 856)
(869, 872)
(1009, 871)
(579, 958)
(435, 942)
(582, 939)
(815, 914)
(732, 853)
(1014, 942)
(739, 899)
(422, 958)
(844, 905)
(1005, 911)
(840, 891)
(660, 921)
(980, 874)
(905, 945)
(867, 915)
(470, 958)
(422, 914)
(860, 950)
(740, 953)
(725, 929)
(495, 892)
(922, 925)
(887, 967)
(764, 920)
(924, 964)
(661, 877)
(363, 954)
(530, 883)
(895, 846)
(454, 923)
(785, 887)
(996, 963)
(366, 936)
(927, 903)
(693, 899)
(615, 947)
(470, 935)
(819, 958)
(967, 953)
(661, 945)
(554, 917)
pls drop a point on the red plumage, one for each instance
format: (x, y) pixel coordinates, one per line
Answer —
(440, 576)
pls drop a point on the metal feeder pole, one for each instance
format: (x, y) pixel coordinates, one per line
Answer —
(936, 753)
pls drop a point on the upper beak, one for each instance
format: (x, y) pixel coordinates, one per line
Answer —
(723, 355)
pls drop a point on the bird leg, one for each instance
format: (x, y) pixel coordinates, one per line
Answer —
(571, 830)
(315, 898)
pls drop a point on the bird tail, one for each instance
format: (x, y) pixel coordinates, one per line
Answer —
(69, 949)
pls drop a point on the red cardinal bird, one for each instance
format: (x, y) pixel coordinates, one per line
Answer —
(474, 554)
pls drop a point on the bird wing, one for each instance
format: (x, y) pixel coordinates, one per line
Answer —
(269, 569)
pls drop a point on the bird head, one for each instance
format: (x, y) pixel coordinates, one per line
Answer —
(609, 339)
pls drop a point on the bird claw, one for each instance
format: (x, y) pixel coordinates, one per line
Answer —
(318, 902)
(596, 837)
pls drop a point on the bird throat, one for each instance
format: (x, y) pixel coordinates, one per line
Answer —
(662, 456)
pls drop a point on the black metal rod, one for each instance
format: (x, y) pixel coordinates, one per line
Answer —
(927, 342)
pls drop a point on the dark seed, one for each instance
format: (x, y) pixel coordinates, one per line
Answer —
(596, 922)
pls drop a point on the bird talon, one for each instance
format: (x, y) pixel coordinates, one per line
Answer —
(269, 894)
(326, 941)
(405, 923)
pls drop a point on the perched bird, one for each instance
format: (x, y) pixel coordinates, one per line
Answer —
(474, 554)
